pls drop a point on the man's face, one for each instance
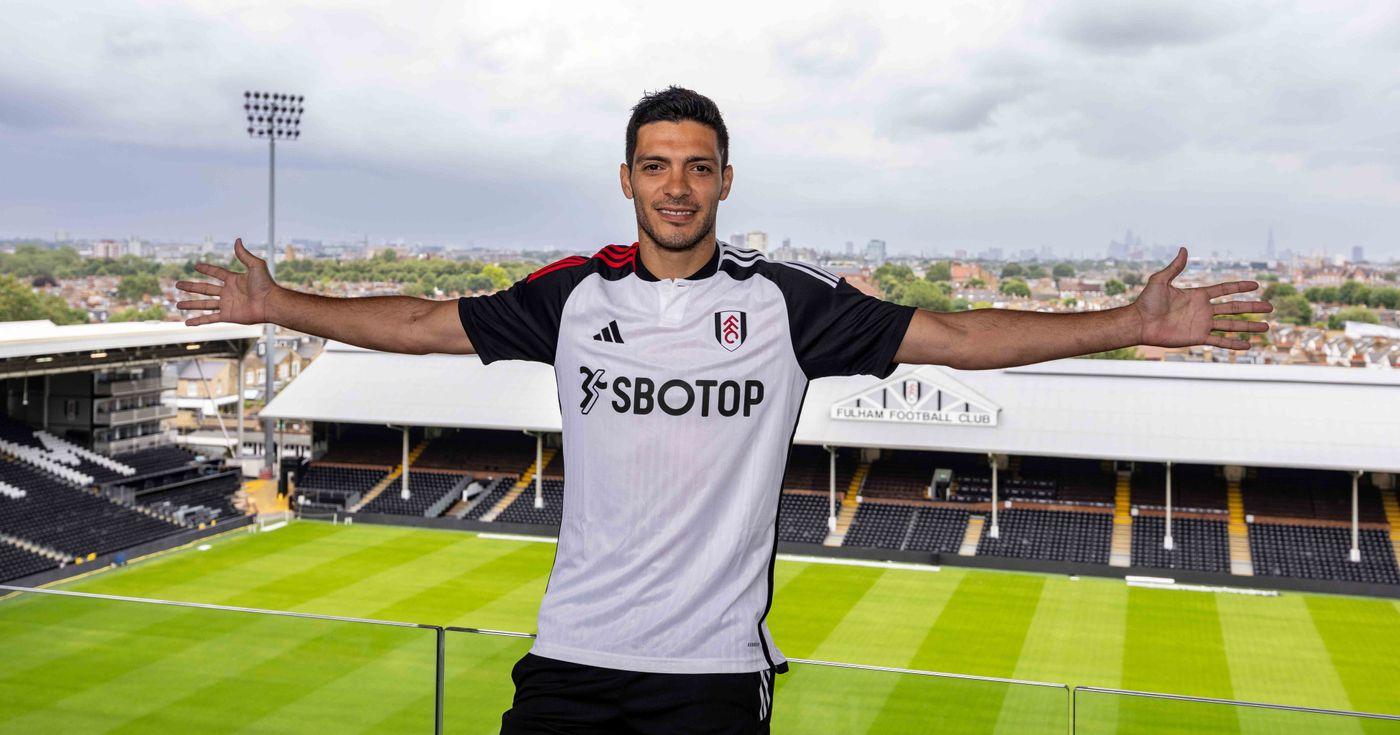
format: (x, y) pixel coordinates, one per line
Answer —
(675, 183)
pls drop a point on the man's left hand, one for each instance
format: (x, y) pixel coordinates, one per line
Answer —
(1182, 317)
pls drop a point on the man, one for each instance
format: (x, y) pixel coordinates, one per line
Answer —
(681, 365)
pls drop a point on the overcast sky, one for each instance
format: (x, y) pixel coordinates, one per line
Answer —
(933, 126)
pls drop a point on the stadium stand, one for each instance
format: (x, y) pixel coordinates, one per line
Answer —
(16, 562)
(1198, 545)
(427, 490)
(70, 520)
(881, 525)
(202, 501)
(1317, 552)
(483, 453)
(492, 495)
(157, 460)
(1195, 488)
(802, 517)
(1052, 535)
(1314, 494)
(809, 468)
(336, 486)
(523, 510)
(938, 529)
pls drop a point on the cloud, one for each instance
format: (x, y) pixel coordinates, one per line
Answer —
(840, 47)
(1130, 27)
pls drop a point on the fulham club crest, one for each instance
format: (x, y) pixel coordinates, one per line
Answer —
(731, 328)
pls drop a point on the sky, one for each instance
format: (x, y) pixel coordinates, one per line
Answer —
(932, 126)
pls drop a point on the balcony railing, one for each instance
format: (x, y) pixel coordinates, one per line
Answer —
(79, 662)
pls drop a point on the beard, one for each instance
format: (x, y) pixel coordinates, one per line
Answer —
(679, 241)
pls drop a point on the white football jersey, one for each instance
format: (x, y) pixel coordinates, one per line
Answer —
(680, 398)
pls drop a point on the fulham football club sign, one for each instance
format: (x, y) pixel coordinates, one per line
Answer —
(925, 395)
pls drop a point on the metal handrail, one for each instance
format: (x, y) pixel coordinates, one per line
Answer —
(1236, 703)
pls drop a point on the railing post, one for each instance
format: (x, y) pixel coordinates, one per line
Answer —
(439, 692)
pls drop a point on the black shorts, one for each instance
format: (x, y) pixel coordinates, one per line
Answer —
(553, 696)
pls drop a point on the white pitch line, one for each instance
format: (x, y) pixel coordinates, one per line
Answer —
(784, 557)
(517, 537)
(861, 562)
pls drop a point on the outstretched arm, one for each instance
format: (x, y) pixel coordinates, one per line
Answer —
(1163, 315)
(388, 323)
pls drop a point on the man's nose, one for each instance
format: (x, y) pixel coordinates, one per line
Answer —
(676, 185)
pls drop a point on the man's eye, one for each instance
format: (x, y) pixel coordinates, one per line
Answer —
(651, 167)
(703, 169)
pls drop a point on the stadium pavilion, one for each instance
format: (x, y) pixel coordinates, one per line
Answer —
(1248, 475)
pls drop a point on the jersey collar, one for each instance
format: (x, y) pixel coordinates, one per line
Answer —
(708, 269)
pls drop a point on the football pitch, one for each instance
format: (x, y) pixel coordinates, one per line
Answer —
(81, 665)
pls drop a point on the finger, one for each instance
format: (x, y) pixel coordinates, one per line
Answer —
(199, 287)
(1239, 325)
(205, 319)
(246, 257)
(1241, 307)
(209, 269)
(1225, 289)
(201, 304)
(1173, 268)
(1227, 343)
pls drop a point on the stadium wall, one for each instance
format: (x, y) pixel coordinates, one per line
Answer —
(132, 554)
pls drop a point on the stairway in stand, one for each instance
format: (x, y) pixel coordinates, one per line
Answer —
(526, 480)
(389, 479)
(849, 504)
(972, 535)
(1392, 517)
(1240, 560)
(1121, 551)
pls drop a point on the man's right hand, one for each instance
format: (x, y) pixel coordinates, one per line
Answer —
(241, 298)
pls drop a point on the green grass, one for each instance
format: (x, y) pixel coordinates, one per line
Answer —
(86, 666)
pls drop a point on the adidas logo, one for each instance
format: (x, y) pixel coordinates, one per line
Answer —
(609, 333)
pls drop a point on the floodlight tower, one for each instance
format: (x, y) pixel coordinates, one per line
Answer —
(274, 116)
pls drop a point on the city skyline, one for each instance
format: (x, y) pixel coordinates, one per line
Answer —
(949, 128)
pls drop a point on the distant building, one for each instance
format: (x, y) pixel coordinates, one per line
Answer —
(1358, 255)
(757, 241)
(1269, 248)
(737, 239)
(875, 253)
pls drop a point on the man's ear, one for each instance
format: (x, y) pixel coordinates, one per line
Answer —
(626, 175)
(728, 178)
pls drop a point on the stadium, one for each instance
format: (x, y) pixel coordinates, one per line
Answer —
(1076, 546)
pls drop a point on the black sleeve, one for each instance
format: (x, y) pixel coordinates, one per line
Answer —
(520, 322)
(837, 330)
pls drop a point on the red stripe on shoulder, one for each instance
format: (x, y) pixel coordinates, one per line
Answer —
(568, 262)
(617, 256)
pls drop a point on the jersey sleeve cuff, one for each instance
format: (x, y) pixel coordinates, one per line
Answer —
(894, 336)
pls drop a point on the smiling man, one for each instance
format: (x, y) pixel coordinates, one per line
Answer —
(681, 365)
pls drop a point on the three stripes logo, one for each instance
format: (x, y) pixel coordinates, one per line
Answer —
(731, 329)
(609, 333)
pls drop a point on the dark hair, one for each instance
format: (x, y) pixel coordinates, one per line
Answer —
(674, 104)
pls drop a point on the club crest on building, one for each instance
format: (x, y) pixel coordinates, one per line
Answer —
(731, 329)
(925, 395)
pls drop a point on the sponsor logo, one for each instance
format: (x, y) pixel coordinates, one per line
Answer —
(731, 329)
(609, 333)
(642, 396)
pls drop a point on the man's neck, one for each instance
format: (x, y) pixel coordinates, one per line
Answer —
(664, 263)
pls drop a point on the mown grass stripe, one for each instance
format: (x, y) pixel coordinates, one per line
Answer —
(1174, 644)
(1076, 635)
(1277, 655)
(1362, 637)
(110, 657)
(966, 639)
(885, 627)
(261, 638)
(394, 663)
